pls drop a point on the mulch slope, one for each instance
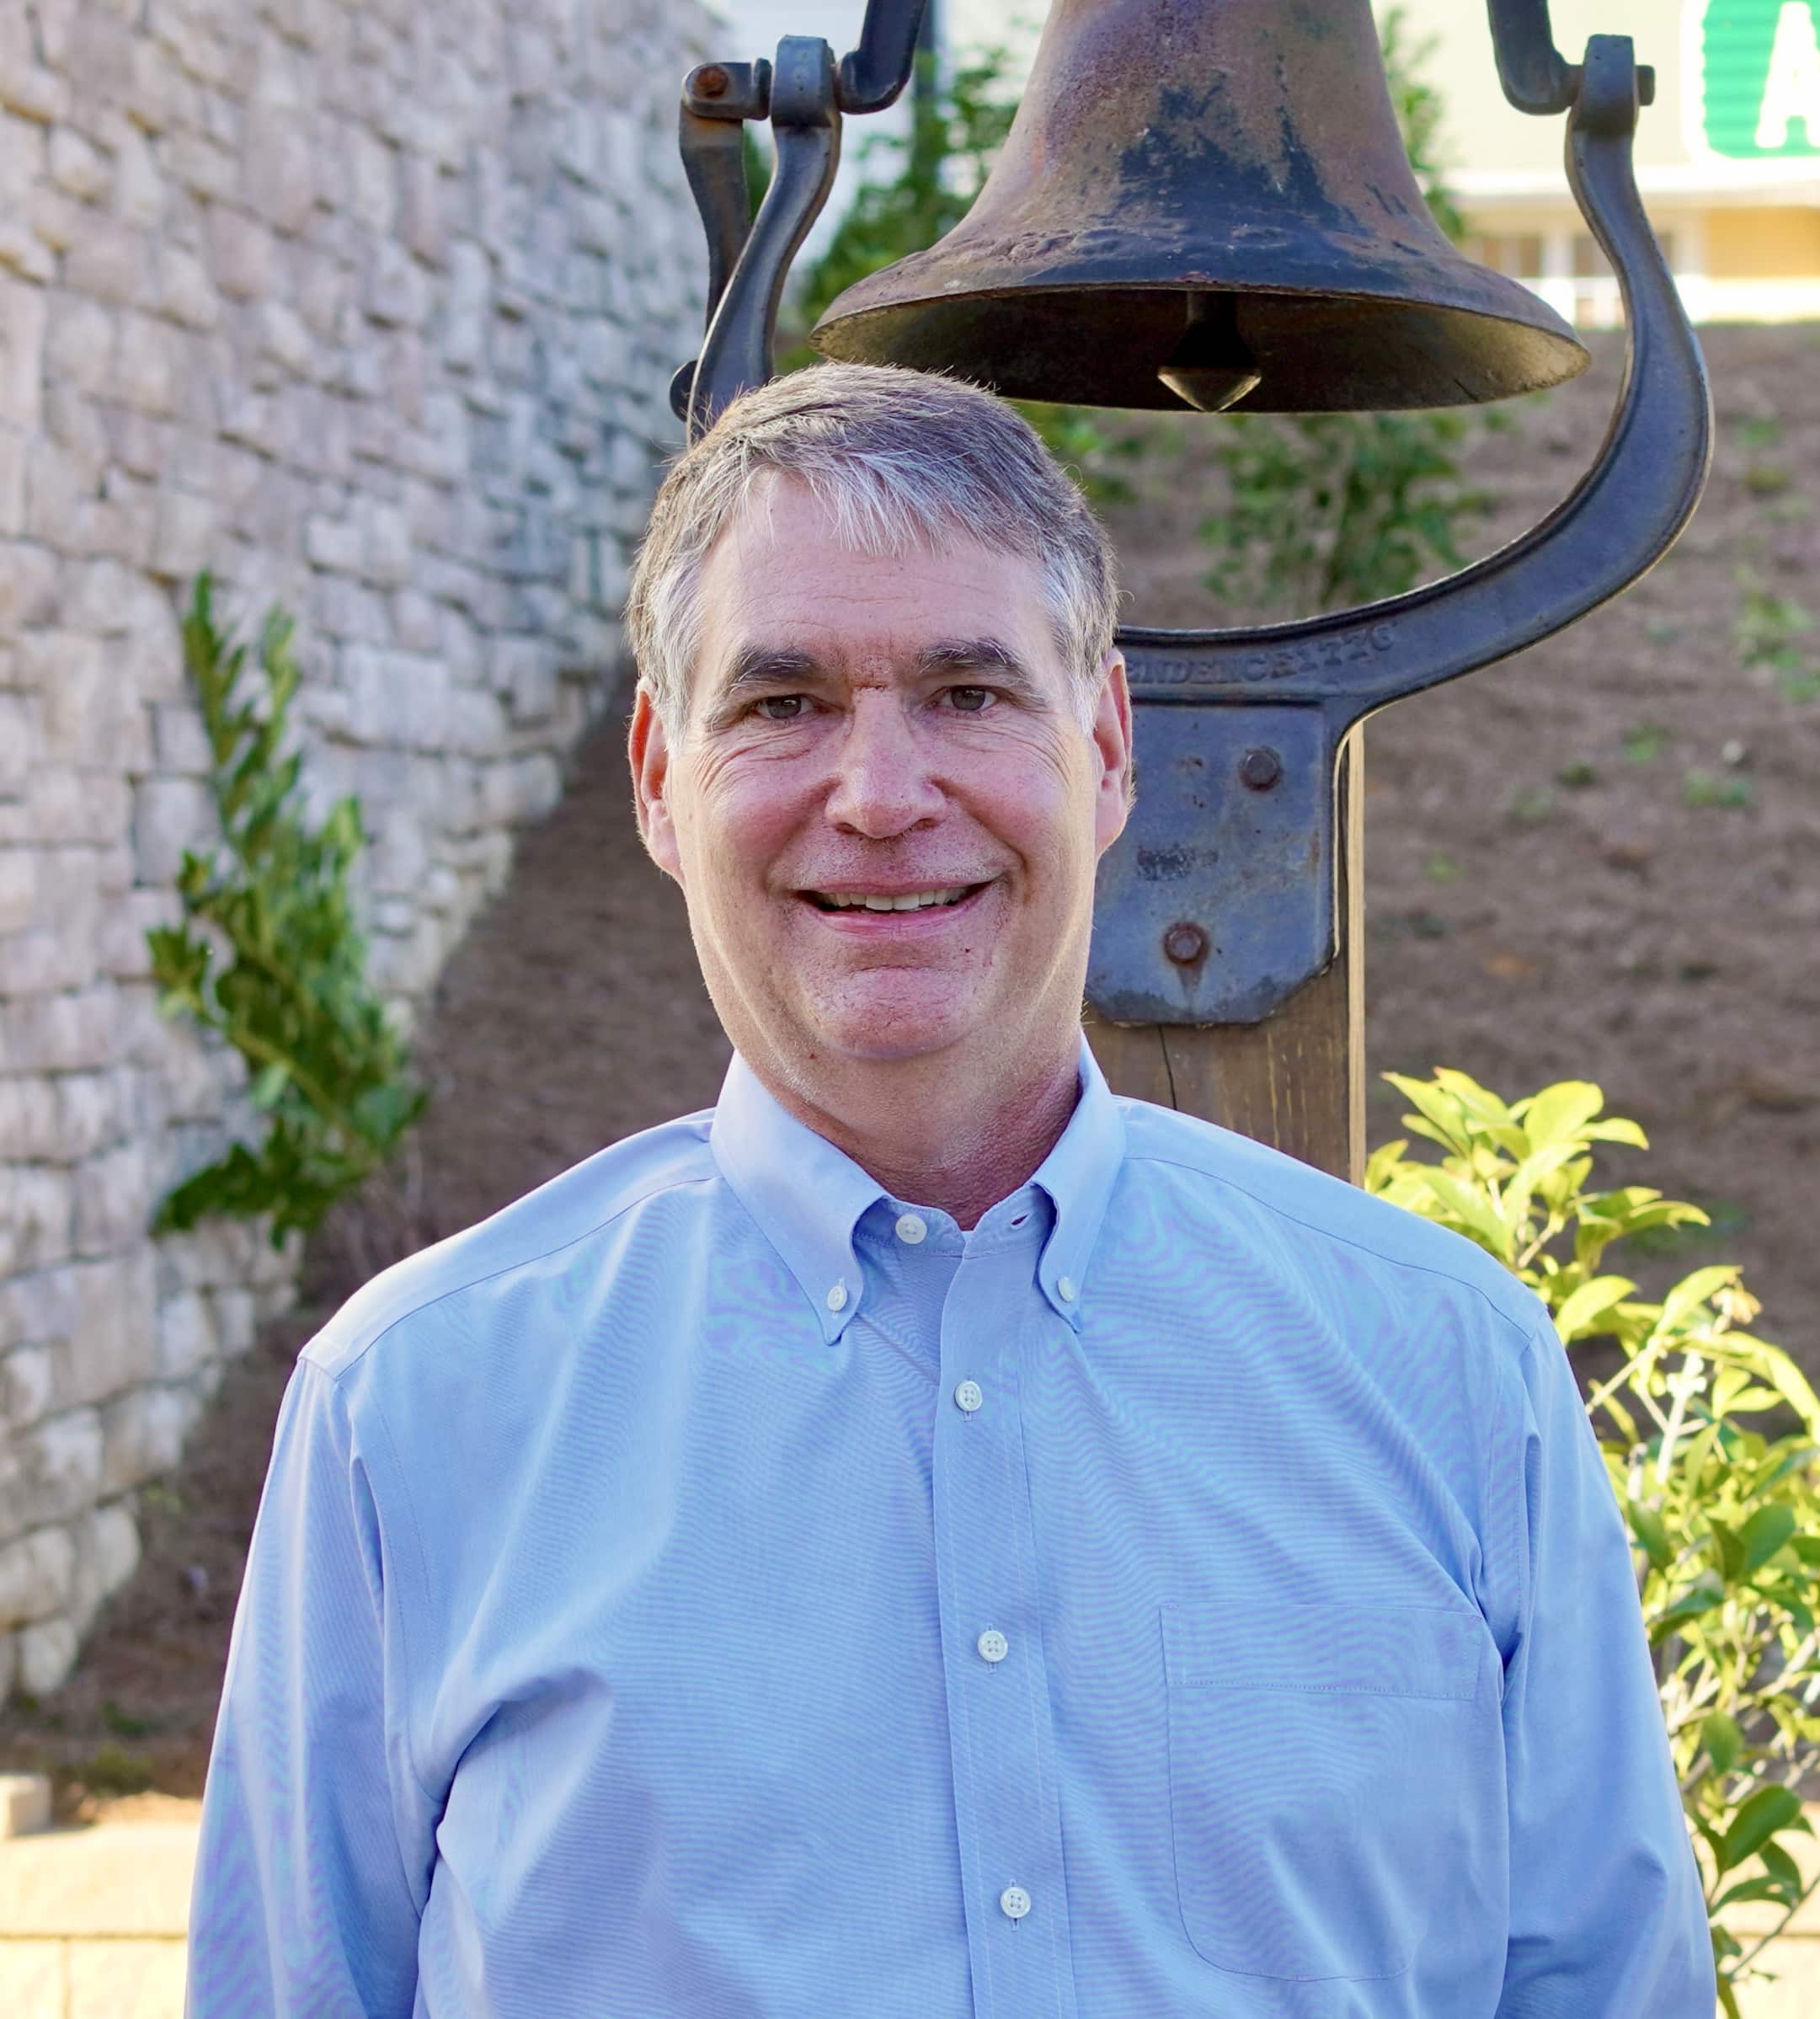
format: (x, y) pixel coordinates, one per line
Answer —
(1518, 928)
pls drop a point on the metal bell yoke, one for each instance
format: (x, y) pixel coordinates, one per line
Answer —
(1205, 203)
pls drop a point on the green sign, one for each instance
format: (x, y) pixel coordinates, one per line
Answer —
(1762, 62)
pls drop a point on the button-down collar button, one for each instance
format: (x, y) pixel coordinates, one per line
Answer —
(1064, 1289)
(969, 1395)
(993, 1645)
(1015, 1901)
(912, 1227)
(837, 1297)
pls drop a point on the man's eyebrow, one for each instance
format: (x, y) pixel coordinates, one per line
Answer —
(980, 655)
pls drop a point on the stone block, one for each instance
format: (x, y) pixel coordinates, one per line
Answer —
(37, 1575)
(59, 1469)
(147, 365)
(185, 291)
(236, 1321)
(396, 698)
(143, 1432)
(76, 165)
(109, 259)
(19, 867)
(140, 194)
(398, 289)
(283, 337)
(202, 168)
(98, 597)
(11, 483)
(110, 1345)
(157, 93)
(32, 1972)
(27, 585)
(114, 1199)
(334, 544)
(91, 1108)
(385, 544)
(46, 1654)
(60, 498)
(120, 942)
(186, 1336)
(24, 1799)
(169, 815)
(26, 1377)
(64, 804)
(422, 222)
(70, 1032)
(81, 698)
(37, 962)
(38, 1217)
(107, 1554)
(279, 174)
(244, 252)
(23, 251)
(183, 535)
(21, 352)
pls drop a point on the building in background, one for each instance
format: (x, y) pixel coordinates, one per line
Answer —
(1728, 156)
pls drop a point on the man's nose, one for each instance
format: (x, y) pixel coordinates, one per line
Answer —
(883, 784)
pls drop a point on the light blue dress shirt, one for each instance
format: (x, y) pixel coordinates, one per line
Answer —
(714, 1589)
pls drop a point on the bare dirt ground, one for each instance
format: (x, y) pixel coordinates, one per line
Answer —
(1546, 898)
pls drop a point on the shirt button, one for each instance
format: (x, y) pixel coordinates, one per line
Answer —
(993, 1645)
(1015, 1901)
(969, 1395)
(911, 1228)
(837, 1297)
(1064, 1289)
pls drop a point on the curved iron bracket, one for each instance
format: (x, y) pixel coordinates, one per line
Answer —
(804, 94)
(1223, 708)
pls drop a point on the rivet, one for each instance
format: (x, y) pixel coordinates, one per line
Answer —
(1185, 943)
(711, 82)
(1261, 768)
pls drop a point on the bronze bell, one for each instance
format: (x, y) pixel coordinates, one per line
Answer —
(1206, 203)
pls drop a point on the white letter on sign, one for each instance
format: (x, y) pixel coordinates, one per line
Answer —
(1791, 91)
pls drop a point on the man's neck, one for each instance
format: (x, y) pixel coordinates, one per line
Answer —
(928, 1134)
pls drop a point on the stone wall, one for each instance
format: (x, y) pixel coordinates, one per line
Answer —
(369, 306)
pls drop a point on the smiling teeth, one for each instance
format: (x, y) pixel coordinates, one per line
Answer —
(917, 901)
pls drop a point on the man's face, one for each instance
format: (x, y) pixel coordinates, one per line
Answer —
(870, 730)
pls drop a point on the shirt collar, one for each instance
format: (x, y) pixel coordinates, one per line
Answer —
(807, 1196)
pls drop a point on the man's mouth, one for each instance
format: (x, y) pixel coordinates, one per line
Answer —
(932, 900)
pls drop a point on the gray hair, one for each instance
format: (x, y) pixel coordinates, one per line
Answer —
(902, 459)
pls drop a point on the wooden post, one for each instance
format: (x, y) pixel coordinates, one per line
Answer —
(1296, 1080)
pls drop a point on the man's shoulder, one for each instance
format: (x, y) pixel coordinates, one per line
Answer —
(568, 1209)
(1219, 1171)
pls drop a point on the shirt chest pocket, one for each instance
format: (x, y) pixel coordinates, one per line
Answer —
(1318, 1758)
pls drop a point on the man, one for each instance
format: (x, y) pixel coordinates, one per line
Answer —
(927, 1538)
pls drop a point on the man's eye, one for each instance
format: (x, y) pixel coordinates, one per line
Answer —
(970, 701)
(782, 707)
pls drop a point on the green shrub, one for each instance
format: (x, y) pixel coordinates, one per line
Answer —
(270, 957)
(1712, 1439)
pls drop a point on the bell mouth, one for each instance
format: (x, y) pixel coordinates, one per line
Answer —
(1163, 347)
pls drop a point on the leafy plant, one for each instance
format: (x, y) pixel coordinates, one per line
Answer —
(1766, 633)
(1711, 1438)
(270, 959)
(1330, 510)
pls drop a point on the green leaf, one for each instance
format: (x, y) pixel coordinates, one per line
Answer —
(1765, 1534)
(1560, 1112)
(1721, 1739)
(1767, 1812)
(1651, 1532)
(1578, 1313)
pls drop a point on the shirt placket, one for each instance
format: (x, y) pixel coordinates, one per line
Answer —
(1007, 1808)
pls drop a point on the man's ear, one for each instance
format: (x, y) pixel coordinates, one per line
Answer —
(648, 749)
(1111, 741)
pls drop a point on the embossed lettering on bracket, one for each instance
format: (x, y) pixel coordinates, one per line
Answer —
(1353, 645)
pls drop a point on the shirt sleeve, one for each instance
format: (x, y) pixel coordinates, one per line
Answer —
(316, 1842)
(1606, 1911)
